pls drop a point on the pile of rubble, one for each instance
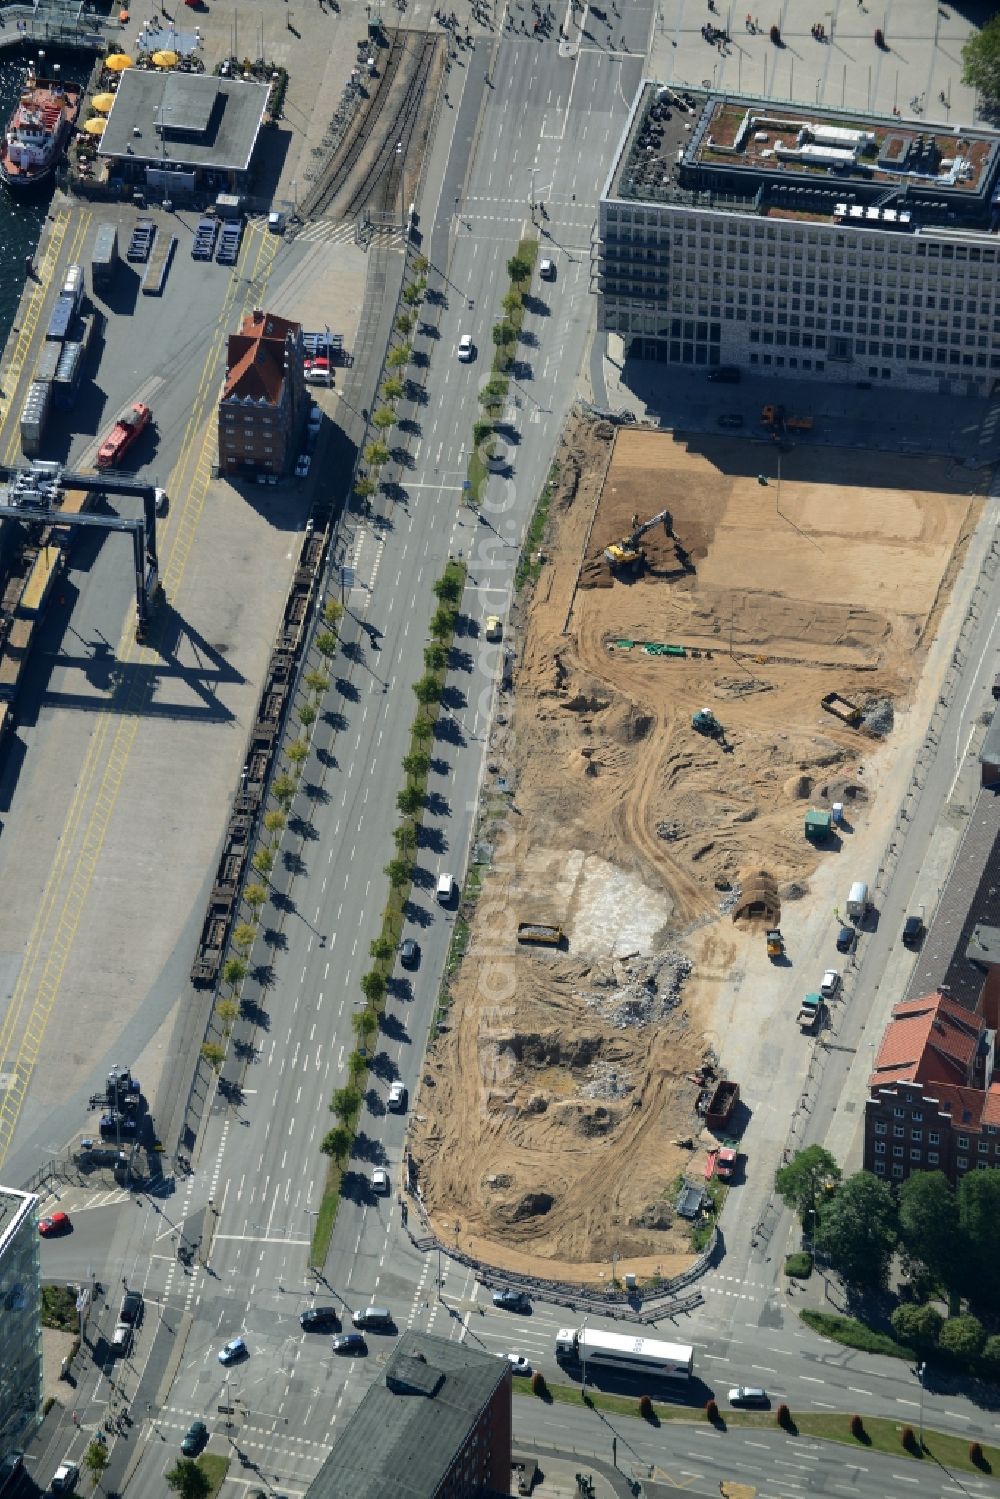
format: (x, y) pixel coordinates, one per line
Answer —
(637, 991)
(606, 1082)
(877, 717)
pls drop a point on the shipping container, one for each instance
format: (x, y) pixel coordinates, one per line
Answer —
(34, 414)
(67, 381)
(48, 359)
(105, 257)
(73, 286)
(63, 314)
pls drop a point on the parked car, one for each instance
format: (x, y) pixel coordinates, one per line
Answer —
(748, 1395)
(519, 1364)
(830, 984)
(396, 1101)
(234, 1352)
(64, 1479)
(730, 419)
(194, 1439)
(54, 1225)
(511, 1301)
(847, 939)
(466, 349)
(319, 1319)
(302, 464)
(349, 1342)
(409, 953)
(913, 931)
(725, 374)
(380, 1181)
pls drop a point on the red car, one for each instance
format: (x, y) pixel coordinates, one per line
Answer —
(55, 1223)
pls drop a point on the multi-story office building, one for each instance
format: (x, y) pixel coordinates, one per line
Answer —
(264, 401)
(20, 1321)
(802, 241)
(436, 1424)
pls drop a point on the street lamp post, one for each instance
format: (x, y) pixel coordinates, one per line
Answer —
(583, 1359)
(921, 1371)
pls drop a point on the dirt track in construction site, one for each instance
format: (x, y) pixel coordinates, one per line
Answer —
(558, 1106)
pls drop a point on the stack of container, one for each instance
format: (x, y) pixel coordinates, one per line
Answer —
(33, 416)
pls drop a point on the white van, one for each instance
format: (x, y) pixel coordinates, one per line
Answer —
(372, 1316)
(445, 889)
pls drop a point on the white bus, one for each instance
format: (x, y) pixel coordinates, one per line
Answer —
(625, 1352)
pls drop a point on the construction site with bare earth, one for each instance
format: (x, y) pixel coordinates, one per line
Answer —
(663, 739)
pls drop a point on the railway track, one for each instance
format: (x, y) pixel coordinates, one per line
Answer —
(380, 184)
(338, 173)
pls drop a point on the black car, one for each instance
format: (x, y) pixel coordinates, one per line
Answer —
(913, 931)
(725, 374)
(730, 419)
(847, 939)
(511, 1301)
(409, 953)
(319, 1319)
(348, 1342)
(194, 1439)
(131, 1308)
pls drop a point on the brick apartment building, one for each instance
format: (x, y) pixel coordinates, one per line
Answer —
(263, 403)
(436, 1424)
(933, 1104)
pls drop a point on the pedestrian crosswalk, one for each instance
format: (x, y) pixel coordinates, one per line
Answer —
(81, 1200)
(349, 232)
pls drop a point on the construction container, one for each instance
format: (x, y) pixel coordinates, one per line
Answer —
(73, 286)
(105, 257)
(67, 381)
(63, 314)
(34, 414)
(818, 826)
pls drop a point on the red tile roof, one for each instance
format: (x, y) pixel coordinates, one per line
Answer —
(256, 358)
(991, 1108)
(965, 1105)
(929, 1040)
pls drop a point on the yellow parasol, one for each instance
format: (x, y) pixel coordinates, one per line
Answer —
(96, 126)
(103, 102)
(118, 62)
(165, 59)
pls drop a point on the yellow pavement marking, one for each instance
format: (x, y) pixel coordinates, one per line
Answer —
(76, 887)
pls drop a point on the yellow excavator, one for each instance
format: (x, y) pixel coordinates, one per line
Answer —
(627, 552)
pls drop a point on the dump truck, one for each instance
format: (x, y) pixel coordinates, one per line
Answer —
(809, 1014)
(123, 434)
(842, 708)
(818, 826)
(775, 944)
(721, 1104)
(535, 931)
(778, 419)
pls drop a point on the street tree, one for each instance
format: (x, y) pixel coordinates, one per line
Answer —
(504, 333)
(427, 691)
(364, 1023)
(399, 356)
(410, 800)
(405, 838)
(412, 294)
(399, 872)
(227, 1011)
(391, 388)
(376, 453)
(357, 1066)
(964, 1337)
(345, 1102)
(991, 1352)
(234, 971)
(326, 644)
(333, 613)
(519, 268)
(284, 788)
(804, 1182)
(978, 1216)
(423, 730)
(188, 1480)
(929, 1234)
(857, 1230)
(512, 302)
(214, 1054)
(95, 1460)
(917, 1325)
(981, 61)
(417, 763)
(316, 681)
(435, 656)
(448, 588)
(274, 821)
(380, 948)
(404, 322)
(263, 861)
(365, 487)
(297, 751)
(442, 623)
(307, 715)
(255, 895)
(243, 934)
(420, 265)
(384, 418)
(337, 1141)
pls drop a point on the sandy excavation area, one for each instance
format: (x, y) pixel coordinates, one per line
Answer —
(558, 1106)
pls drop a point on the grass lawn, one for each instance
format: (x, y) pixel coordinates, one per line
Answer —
(59, 1309)
(215, 1466)
(941, 1449)
(855, 1334)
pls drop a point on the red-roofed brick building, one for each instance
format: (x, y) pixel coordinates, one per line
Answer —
(263, 399)
(933, 1105)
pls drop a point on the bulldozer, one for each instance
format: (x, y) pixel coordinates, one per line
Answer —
(775, 944)
(627, 553)
(778, 420)
(705, 722)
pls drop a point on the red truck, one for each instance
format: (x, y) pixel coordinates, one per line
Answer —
(123, 434)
